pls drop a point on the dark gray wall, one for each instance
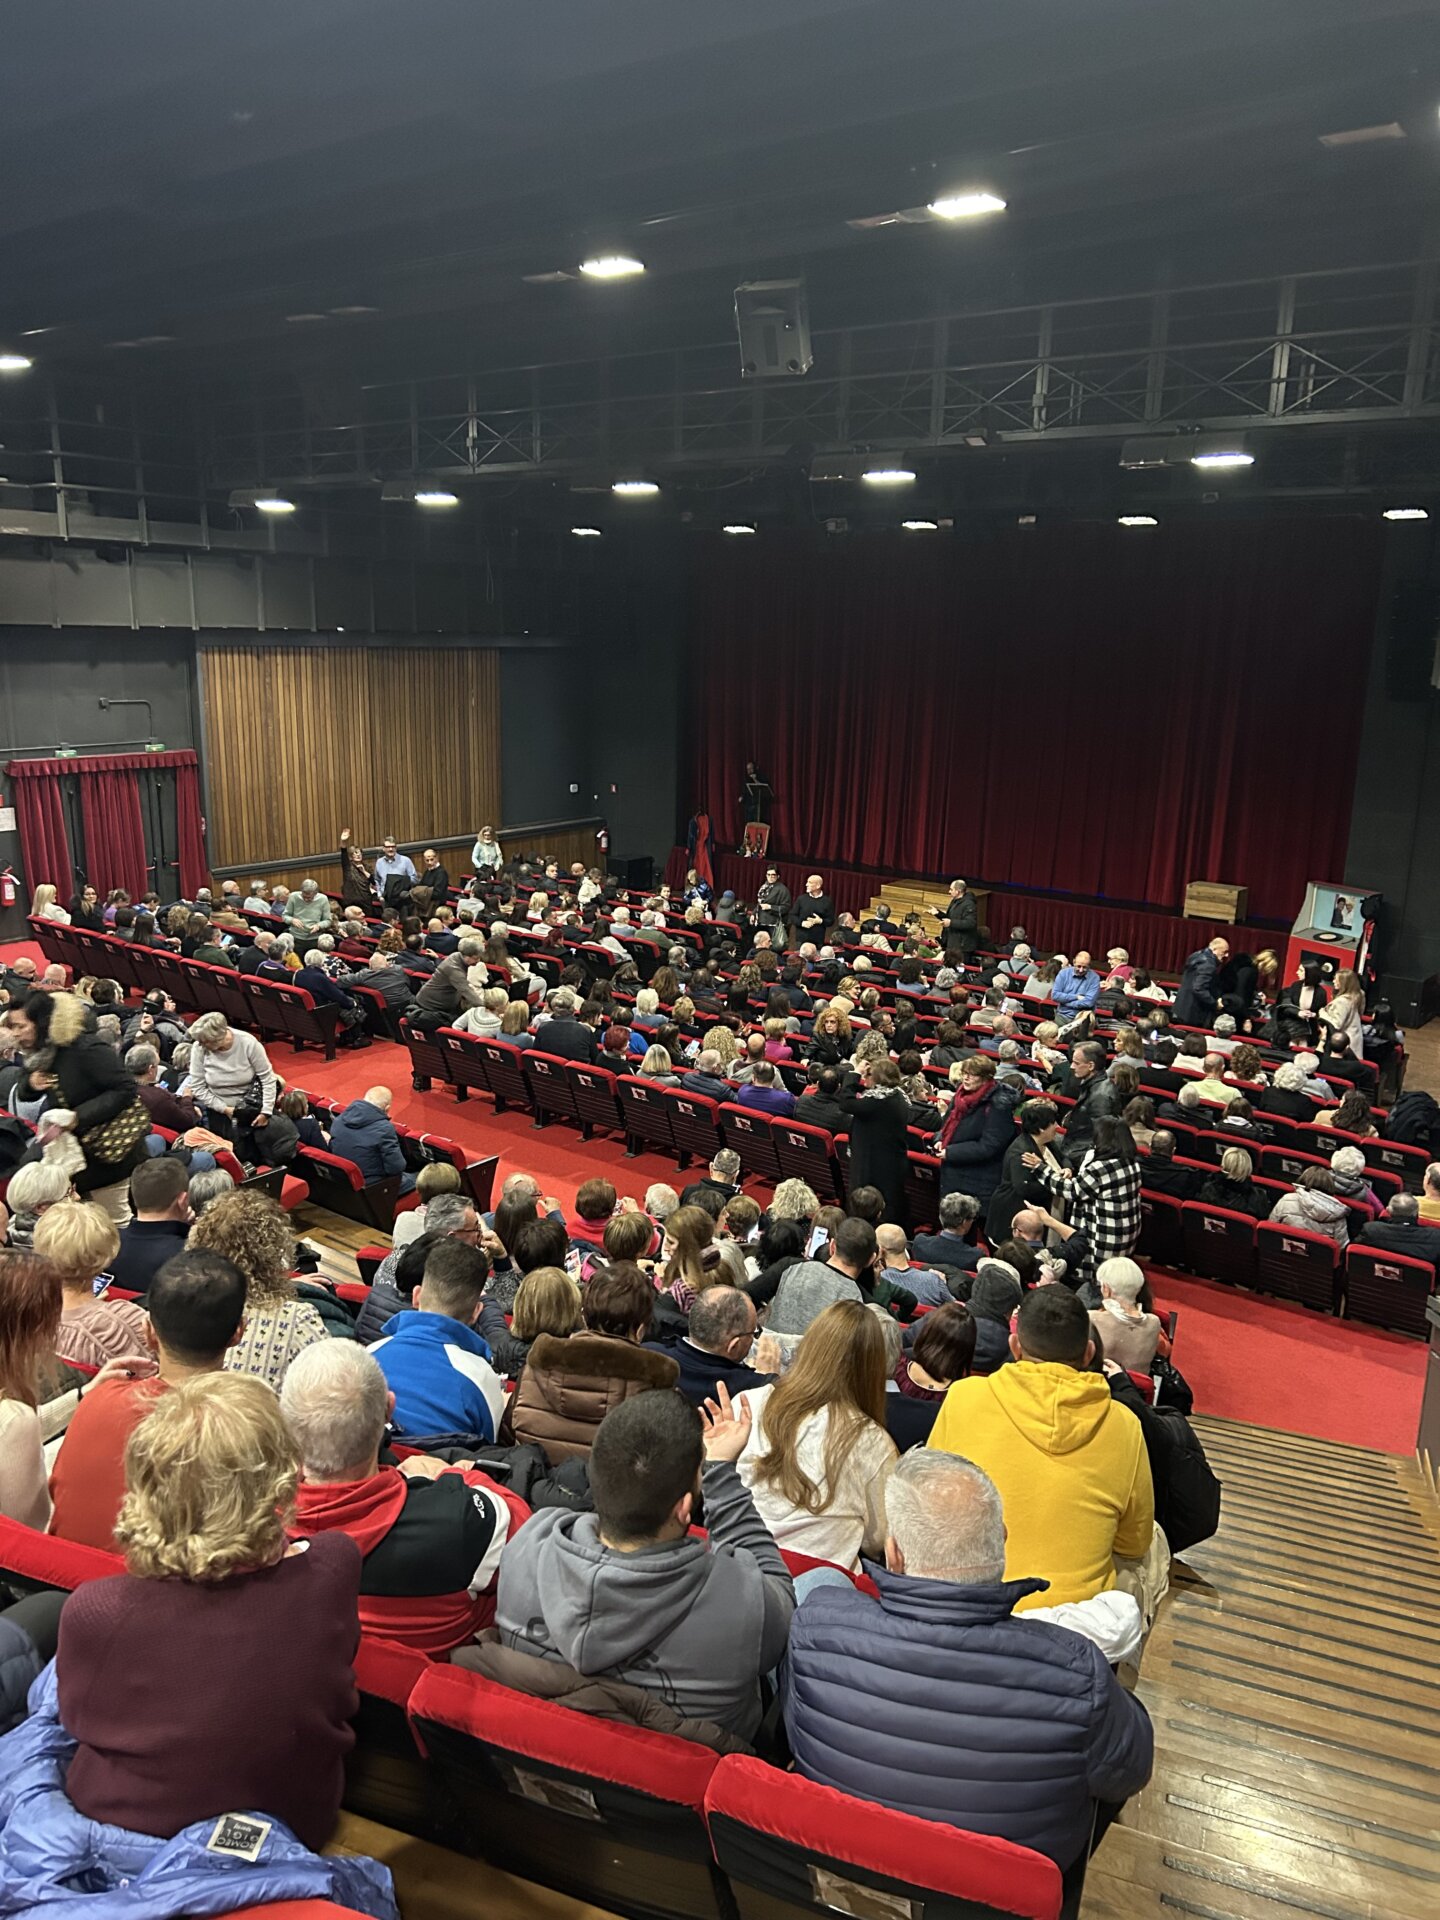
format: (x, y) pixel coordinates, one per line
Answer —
(1395, 818)
(544, 735)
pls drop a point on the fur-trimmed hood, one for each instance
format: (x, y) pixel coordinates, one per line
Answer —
(70, 1016)
(603, 1355)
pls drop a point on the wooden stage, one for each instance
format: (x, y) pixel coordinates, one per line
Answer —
(1293, 1677)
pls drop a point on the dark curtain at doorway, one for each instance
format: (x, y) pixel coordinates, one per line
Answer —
(114, 831)
(40, 818)
(112, 823)
(1085, 708)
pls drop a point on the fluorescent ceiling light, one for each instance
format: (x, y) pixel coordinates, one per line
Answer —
(1138, 520)
(887, 476)
(15, 363)
(301, 319)
(1363, 136)
(634, 486)
(1405, 513)
(1214, 461)
(273, 503)
(586, 533)
(738, 526)
(966, 206)
(345, 311)
(921, 526)
(436, 497)
(611, 266)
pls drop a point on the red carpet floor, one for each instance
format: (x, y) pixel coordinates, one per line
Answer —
(1246, 1358)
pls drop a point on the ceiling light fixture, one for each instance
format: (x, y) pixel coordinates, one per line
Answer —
(738, 526)
(611, 266)
(1405, 513)
(634, 487)
(345, 312)
(966, 206)
(1138, 520)
(301, 319)
(1212, 452)
(921, 526)
(273, 503)
(436, 497)
(887, 476)
(15, 363)
(586, 533)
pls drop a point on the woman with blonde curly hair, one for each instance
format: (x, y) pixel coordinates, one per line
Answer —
(795, 1200)
(870, 1046)
(159, 1668)
(80, 1240)
(252, 1231)
(721, 1039)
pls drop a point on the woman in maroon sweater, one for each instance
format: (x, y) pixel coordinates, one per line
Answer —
(215, 1675)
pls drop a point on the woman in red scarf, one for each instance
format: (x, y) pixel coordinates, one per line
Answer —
(977, 1129)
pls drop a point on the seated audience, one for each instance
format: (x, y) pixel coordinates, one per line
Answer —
(1349, 1172)
(160, 1200)
(819, 1454)
(764, 1091)
(164, 1108)
(1286, 1095)
(721, 1177)
(251, 1230)
(1132, 1337)
(951, 1245)
(1074, 1462)
(233, 1079)
(196, 1306)
(1159, 1174)
(893, 1264)
(436, 1363)
(995, 1293)
(546, 1301)
(715, 1346)
(434, 1178)
(1313, 1206)
(943, 1349)
(431, 1535)
(706, 1077)
(80, 1241)
(706, 1619)
(569, 1385)
(34, 1188)
(1401, 1230)
(810, 1286)
(1233, 1186)
(168, 1734)
(37, 1403)
(1025, 1726)
(365, 1133)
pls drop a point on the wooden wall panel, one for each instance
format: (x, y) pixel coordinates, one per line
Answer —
(304, 741)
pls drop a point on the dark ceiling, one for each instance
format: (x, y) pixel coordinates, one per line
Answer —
(201, 172)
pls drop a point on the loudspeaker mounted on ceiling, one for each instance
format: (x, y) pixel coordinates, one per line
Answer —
(774, 327)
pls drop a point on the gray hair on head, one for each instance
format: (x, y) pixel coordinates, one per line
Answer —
(141, 1059)
(335, 1407)
(958, 1209)
(946, 1518)
(213, 1184)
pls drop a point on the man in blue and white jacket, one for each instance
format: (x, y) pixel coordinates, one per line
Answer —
(1023, 1727)
(435, 1363)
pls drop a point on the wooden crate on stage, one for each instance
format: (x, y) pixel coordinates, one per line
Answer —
(1215, 900)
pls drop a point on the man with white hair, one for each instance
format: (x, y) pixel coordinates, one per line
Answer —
(660, 1202)
(1402, 1230)
(563, 1033)
(307, 910)
(707, 1076)
(1023, 1727)
(431, 1535)
(365, 1134)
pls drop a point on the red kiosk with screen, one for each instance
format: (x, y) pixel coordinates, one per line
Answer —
(1333, 927)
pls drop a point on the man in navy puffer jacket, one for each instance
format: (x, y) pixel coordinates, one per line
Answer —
(937, 1700)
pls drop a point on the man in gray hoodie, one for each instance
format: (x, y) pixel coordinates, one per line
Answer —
(629, 1593)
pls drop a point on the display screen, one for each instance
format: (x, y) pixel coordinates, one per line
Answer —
(1336, 911)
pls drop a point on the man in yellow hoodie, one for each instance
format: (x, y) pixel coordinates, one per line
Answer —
(1069, 1461)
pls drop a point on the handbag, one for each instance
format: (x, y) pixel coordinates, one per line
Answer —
(113, 1141)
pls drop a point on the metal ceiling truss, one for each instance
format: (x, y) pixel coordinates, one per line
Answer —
(1346, 349)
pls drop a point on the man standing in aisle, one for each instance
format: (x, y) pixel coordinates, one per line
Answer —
(773, 904)
(962, 925)
(812, 913)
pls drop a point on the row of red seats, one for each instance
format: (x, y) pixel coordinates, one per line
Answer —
(636, 1823)
(688, 1126)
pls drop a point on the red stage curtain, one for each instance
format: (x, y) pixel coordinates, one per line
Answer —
(40, 817)
(194, 868)
(114, 831)
(1079, 709)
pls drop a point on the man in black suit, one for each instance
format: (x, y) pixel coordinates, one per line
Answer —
(962, 926)
(1401, 1230)
(811, 914)
(252, 958)
(819, 1107)
(1159, 1174)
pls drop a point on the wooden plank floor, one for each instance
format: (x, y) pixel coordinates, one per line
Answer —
(1294, 1681)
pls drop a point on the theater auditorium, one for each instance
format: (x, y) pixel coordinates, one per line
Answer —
(719, 944)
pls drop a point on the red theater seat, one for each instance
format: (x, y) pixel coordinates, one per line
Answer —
(1387, 1289)
(609, 1814)
(789, 1848)
(1298, 1265)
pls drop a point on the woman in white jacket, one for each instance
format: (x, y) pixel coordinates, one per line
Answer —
(1344, 1013)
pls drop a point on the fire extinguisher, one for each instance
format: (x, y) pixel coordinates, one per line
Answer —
(8, 888)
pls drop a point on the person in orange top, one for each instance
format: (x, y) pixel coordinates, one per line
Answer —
(197, 1309)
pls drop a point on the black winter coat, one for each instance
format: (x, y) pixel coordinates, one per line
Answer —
(879, 1143)
(975, 1153)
